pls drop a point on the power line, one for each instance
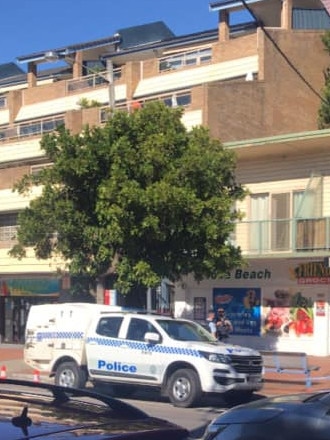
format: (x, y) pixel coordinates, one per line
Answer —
(289, 62)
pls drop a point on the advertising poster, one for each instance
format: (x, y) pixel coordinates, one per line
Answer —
(288, 313)
(242, 307)
(320, 308)
(29, 287)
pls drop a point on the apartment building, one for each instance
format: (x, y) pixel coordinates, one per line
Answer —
(257, 87)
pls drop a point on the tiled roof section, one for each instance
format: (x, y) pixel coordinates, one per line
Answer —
(144, 34)
(9, 69)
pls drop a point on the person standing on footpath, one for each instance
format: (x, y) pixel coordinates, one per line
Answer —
(211, 323)
(223, 325)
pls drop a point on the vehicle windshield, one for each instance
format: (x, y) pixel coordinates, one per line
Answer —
(181, 330)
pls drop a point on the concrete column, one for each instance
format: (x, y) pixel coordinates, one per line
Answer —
(286, 14)
(32, 75)
(78, 65)
(100, 292)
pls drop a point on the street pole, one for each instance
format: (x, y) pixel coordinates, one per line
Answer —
(111, 88)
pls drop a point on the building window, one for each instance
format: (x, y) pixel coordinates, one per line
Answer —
(3, 102)
(8, 226)
(41, 126)
(177, 99)
(288, 221)
(181, 60)
(35, 169)
(271, 222)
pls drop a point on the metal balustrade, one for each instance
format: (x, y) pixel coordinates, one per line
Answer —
(31, 128)
(185, 59)
(182, 98)
(91, 81)
(283, 236)
(45, 125)
(256, 238)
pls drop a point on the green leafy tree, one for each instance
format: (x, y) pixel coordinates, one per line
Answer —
(140, 197)
(324, 110)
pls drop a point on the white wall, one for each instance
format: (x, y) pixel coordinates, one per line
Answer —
(282, 276)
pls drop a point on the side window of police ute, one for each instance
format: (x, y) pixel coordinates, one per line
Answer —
(138, 328)
(109, 326)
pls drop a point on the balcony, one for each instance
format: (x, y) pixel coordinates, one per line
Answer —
(296, 237)
(182, 99)
(33, 127)
(92, 81)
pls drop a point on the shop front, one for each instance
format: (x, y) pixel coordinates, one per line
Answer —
(272, 304)
(17, 295)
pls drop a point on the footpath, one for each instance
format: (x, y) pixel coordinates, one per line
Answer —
(13, 367)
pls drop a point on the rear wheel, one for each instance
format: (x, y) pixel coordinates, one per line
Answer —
(184, 388)
(69, 374)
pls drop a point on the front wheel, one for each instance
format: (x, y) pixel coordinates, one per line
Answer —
(184, 388)
(69, 374)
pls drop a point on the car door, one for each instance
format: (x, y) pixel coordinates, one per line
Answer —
(103, 347)
(148, 357)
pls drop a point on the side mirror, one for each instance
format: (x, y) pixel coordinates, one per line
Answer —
(153, 338)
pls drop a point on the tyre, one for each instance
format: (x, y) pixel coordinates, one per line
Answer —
(184, 388)
(69, 374)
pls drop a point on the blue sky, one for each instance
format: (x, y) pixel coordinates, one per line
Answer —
(28, 26)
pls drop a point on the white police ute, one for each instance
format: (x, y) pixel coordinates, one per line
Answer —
(79, 342)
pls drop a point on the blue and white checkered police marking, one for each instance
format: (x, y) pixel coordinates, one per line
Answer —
(137, 345)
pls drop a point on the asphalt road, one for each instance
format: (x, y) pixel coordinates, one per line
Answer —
(194, 419)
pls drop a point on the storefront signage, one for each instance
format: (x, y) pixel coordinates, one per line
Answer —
(29, 287)
(313, 272)
(240, 274)
(320, 308)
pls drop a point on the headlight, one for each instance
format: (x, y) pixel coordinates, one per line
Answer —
(216, 357)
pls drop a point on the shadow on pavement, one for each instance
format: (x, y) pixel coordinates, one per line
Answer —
(216, 400)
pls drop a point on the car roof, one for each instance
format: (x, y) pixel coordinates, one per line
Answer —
(39, 410)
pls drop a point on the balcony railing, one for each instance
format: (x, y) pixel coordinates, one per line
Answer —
(283, 236)
(185, 59)
(31, 128)
(92, 81)
(182, 98)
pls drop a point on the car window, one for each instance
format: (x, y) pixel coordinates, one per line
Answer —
(138, 328)
(109, 326)
(185, 331)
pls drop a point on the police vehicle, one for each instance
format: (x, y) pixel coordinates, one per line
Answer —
(76, 343)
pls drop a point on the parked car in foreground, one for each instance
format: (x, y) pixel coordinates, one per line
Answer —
(45, 411)
(304, 416)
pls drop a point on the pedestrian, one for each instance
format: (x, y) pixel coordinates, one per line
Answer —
(224, 326)
(211, 323)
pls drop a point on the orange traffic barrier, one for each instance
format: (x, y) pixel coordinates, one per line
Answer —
(36, 376)
(3, 372)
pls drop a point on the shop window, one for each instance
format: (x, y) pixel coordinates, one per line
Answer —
(8, 226)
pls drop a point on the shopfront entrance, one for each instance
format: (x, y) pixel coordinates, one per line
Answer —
(16, 298)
